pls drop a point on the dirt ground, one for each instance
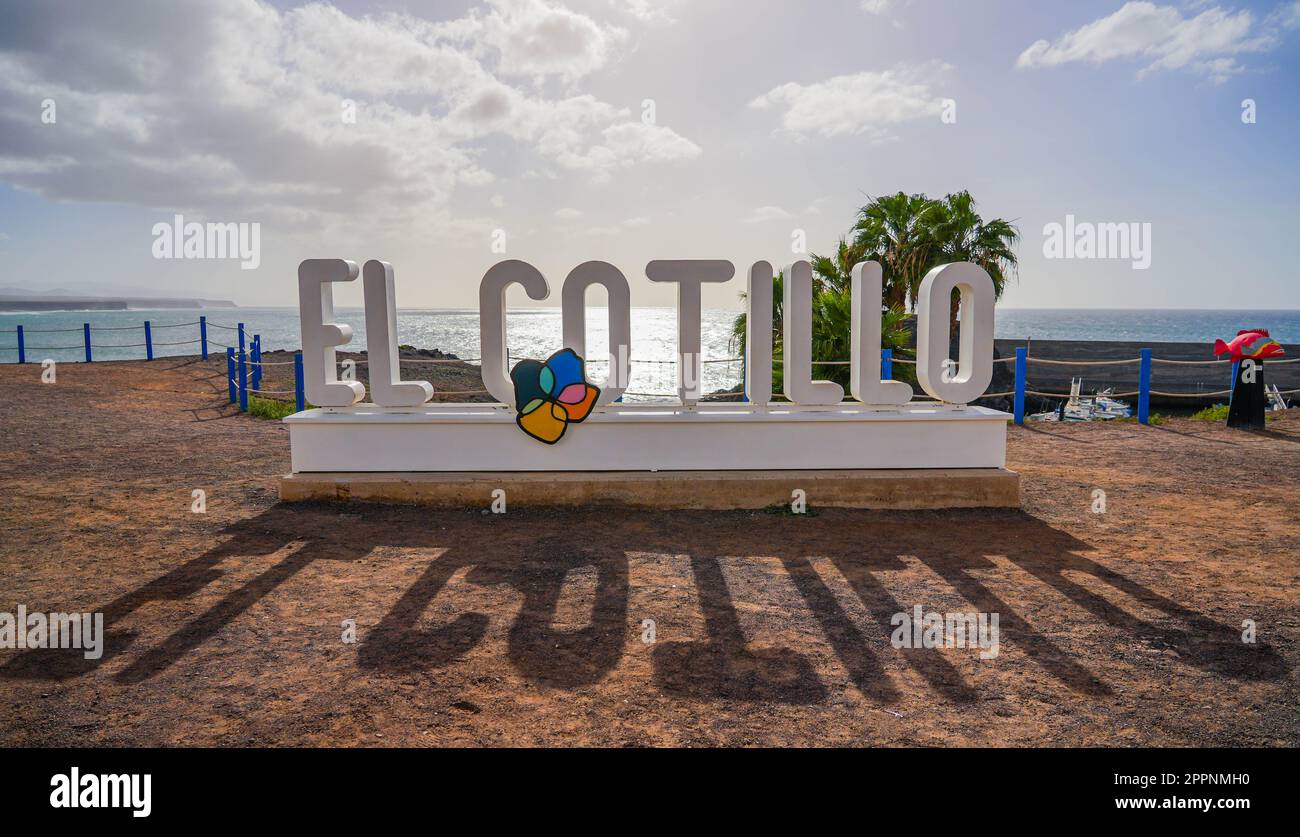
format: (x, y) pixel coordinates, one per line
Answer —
(225, 628)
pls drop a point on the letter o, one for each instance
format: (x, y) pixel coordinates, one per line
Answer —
(975, 358)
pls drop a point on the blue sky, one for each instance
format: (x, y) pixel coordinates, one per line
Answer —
(528, 116)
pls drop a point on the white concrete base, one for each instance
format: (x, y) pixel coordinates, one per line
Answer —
(638, 437)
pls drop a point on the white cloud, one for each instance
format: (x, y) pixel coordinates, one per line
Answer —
(877, 7)
(536, 38)
(1160, 36)
(568, 213)
(815, 208)
(884, 9)
(235, 108)
(868, 103)
(763, 214)
(1287, 15)
(647, 11)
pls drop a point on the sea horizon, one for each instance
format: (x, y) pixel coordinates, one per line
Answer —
(537, 329)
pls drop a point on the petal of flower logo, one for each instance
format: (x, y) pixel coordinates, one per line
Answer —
(549, 396)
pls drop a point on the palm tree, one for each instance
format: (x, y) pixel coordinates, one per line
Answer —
(832, 329)
(909, 235)
(836, 272)
(892, 231)
(957, 233)
(832, 337)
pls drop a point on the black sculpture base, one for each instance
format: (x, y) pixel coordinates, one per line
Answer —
(1249, 401)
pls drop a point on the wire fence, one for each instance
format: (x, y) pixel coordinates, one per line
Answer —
(246, 367)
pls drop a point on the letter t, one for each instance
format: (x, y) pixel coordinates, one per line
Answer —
(689, 274)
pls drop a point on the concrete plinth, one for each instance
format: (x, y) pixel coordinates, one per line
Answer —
(711, 438)
(869, 489)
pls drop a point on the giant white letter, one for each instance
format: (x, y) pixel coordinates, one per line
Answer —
(320, 334)
(867, 294)
(758, 335)
(573, 301)
(492, 321)
(689, 274)
(386, 386)
(796, 320)
(975, 359)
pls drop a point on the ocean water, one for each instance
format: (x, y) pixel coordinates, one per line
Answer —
(535, 332)
(1156, 326)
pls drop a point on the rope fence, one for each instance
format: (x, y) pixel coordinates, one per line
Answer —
(1191, 394)
(245, 365)
(1144, 360)
(1082, 362)
(1129, 394)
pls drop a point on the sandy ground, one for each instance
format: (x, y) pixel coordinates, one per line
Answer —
(224, 628)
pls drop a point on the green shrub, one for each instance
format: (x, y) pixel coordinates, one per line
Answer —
(269, 408)
(1152, 418)
(1219, 412)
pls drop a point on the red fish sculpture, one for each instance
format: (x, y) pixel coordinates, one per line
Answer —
(1251, 343)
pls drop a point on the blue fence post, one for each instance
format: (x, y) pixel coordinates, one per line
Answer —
(22, 349)
(886, 364)
(241, 376)
(299, 398)
(86, 330)
(230, 373)
(148, 341)
(241, 337)
(1144, 387)
(257, 362)
(203, 336)
(1022, 373)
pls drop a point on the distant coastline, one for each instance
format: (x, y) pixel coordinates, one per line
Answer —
(15, 303)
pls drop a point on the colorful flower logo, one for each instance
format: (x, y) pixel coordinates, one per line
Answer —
(551, 395)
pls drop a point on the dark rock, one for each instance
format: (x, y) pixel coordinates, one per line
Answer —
(428, 354)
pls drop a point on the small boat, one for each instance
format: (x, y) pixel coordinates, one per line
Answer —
(1275, 400)
(1100, 406)
(1105, 406)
